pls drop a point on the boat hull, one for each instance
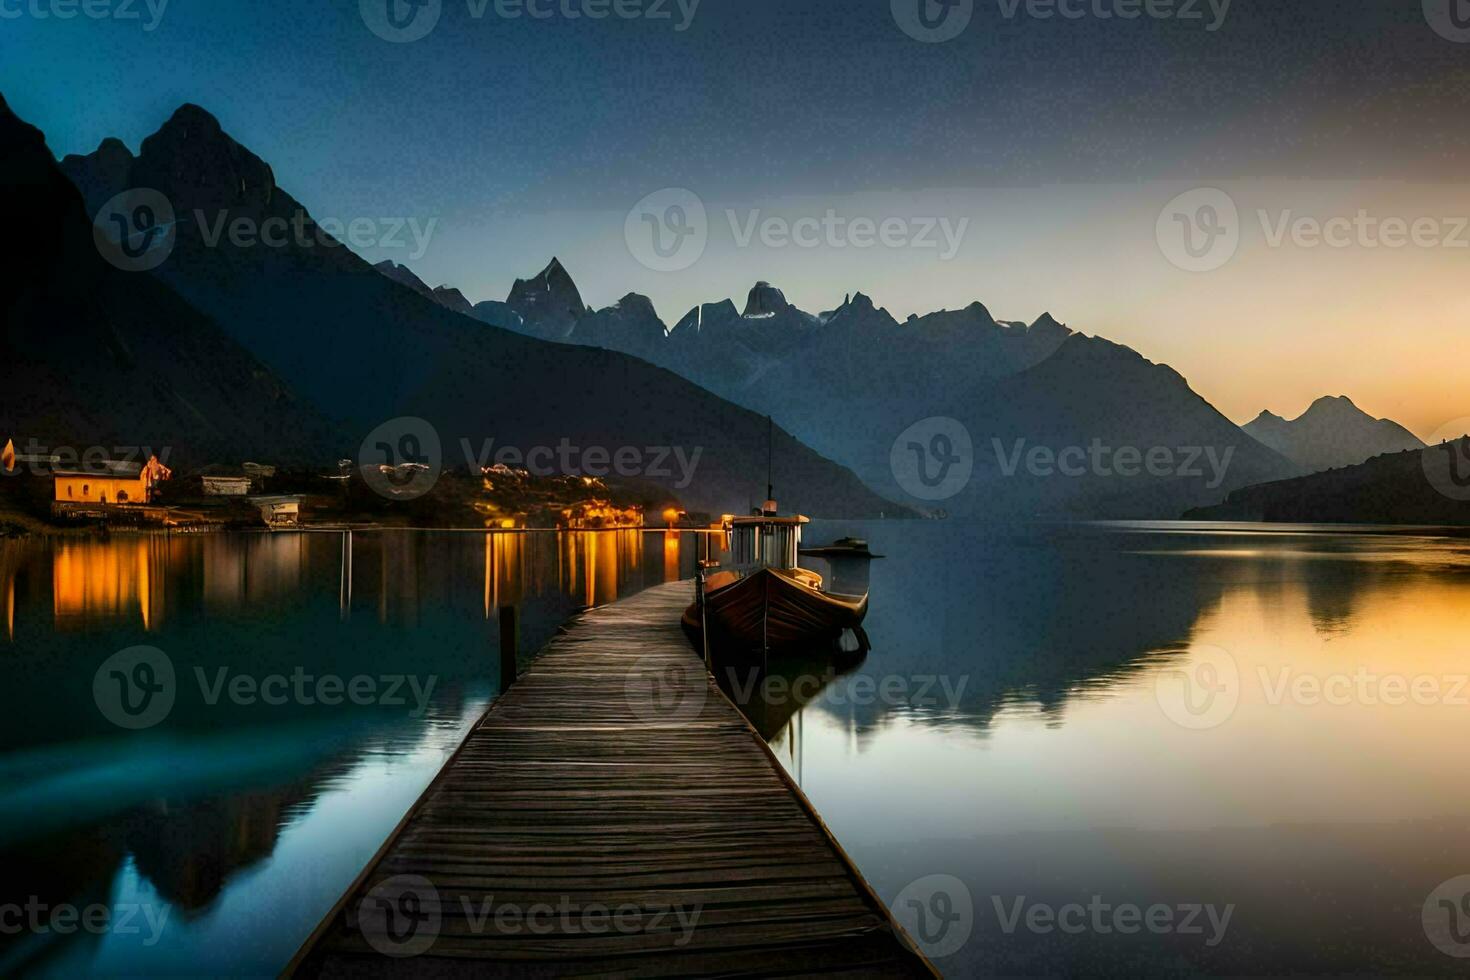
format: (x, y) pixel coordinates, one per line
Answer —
(772, 610)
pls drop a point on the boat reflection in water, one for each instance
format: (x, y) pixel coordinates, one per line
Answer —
(772, 696)
(764, 602)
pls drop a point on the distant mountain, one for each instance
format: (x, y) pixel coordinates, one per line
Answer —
(850, 381)
(1388, 489)
(549, 304)
(95, 356)
(1333, 432)
(446, 296)
(370, 345)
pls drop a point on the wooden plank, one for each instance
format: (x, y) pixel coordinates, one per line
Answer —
(612, 814)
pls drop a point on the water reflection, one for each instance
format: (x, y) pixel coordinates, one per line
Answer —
(100, 583)
(246, 820)
(95, 579)
(1051, 770)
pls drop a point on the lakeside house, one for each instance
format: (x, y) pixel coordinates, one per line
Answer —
(109, 482)
(282, 510)
(218, 480)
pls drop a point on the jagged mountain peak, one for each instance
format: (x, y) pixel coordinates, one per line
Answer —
(111, 152)
(195, 118)
(203, 167)
(980, 311)
(402, 274)
(452, 299)
(636, 304)
(1046, 323)
(765, 300)
(549, 304)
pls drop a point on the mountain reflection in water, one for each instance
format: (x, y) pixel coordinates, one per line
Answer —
(1029, 744)
(244, 822)
(1007, 728)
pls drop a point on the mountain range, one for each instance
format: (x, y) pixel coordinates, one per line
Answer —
(1332, 433)
(368, 348)
(849, 381)
(324, 335)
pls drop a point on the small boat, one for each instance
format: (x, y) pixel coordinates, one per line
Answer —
(842, 548)
(765, 602)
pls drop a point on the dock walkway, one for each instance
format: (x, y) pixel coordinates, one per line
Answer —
(613, 815)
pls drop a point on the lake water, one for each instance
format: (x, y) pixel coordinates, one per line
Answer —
(1269, 723)
(1253, 738)
(235, 823)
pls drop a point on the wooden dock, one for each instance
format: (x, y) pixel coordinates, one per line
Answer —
(613, 814)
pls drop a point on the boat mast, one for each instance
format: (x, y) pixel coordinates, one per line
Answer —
(770, 457)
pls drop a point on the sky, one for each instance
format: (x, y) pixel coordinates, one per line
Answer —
(1049, 156)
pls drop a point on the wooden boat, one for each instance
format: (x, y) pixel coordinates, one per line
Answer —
(765, 603)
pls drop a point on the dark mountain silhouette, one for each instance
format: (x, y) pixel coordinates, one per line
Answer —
(446, 296)
(399, 273)
(94, 355)
(371, 348)
(1391, 489)
(851, 381)
(1333, 432)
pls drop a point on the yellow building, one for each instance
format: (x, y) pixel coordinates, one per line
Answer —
(111, 482)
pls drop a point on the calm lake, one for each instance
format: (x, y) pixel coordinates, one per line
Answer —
(1129, 750)
(235, 822)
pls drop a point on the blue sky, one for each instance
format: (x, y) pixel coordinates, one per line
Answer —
(1056, 138)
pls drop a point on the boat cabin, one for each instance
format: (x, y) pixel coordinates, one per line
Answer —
(765, 541)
